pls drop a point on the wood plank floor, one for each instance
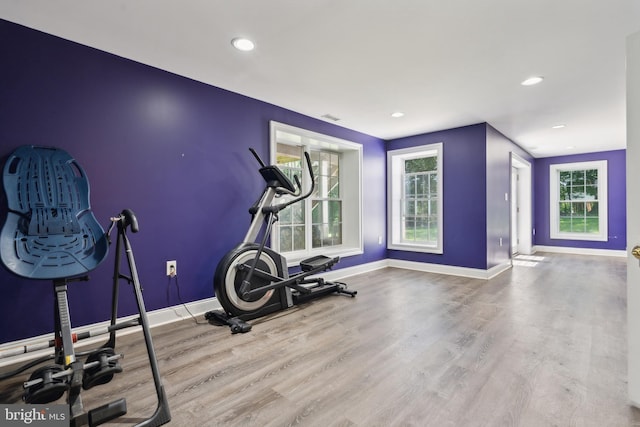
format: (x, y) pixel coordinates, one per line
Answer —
(543, 344)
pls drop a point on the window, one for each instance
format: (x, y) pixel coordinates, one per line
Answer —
(329, 221)
(579, 201)
(326, 208)
(415, 198)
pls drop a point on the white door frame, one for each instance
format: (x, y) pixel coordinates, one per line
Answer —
(633, 225)
(515, 211)
(524, 228)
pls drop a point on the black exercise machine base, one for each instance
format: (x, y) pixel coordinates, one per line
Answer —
(322, 288)
(221, 318)
(238, 324)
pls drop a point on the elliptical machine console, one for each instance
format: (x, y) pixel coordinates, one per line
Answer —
(253, 280)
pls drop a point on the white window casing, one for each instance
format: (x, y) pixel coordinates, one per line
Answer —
(350, 184)
(396, 238)
(598, 196)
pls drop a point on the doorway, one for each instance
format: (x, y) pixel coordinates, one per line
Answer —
(521, 223)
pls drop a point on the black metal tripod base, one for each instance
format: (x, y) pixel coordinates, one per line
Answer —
(100, 415)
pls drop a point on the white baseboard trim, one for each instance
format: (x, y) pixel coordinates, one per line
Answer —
(474, 273)
(156, 318)
(498, 269)
(580, 251)
(356, 269)
(179, 312)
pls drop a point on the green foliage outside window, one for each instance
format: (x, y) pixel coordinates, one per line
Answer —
(578, 205)
(326, 206)
(420, 201)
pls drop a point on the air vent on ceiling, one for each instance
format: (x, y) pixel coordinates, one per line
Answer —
(330, 117)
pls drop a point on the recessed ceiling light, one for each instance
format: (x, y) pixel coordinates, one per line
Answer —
(570, 147)
(243, 44)
(560, 126)
(397, 114)
(532, 81)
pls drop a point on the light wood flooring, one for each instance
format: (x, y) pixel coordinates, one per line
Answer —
(543, 344)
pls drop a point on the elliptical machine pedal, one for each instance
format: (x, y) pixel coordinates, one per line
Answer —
(319, 262)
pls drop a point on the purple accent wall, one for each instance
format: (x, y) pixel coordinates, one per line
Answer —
(464, 203)
(617, 207)
(477, 174)
(173, 150)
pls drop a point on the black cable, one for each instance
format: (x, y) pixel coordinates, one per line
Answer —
(180, 300)
(23, 368)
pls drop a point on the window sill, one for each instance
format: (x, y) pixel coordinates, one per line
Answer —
(577, 236)
(415, 248)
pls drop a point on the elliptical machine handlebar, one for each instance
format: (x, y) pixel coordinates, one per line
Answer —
(257, 157)
(290, 189)
(299, 197)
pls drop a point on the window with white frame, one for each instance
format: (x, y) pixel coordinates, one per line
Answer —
(414, 189)
(329, 221)
(578, 201)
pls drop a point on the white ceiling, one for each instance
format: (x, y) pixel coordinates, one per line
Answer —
(444, 63)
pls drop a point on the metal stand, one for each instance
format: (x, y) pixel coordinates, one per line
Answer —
(71, 375)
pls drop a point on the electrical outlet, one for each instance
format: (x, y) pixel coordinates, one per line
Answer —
(172, 268)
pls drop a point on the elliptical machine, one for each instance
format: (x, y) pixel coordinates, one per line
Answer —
(253, 280)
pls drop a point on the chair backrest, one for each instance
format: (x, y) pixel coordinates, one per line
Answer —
(50, 231)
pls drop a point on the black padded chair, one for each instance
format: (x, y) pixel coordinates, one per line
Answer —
(50, 233)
